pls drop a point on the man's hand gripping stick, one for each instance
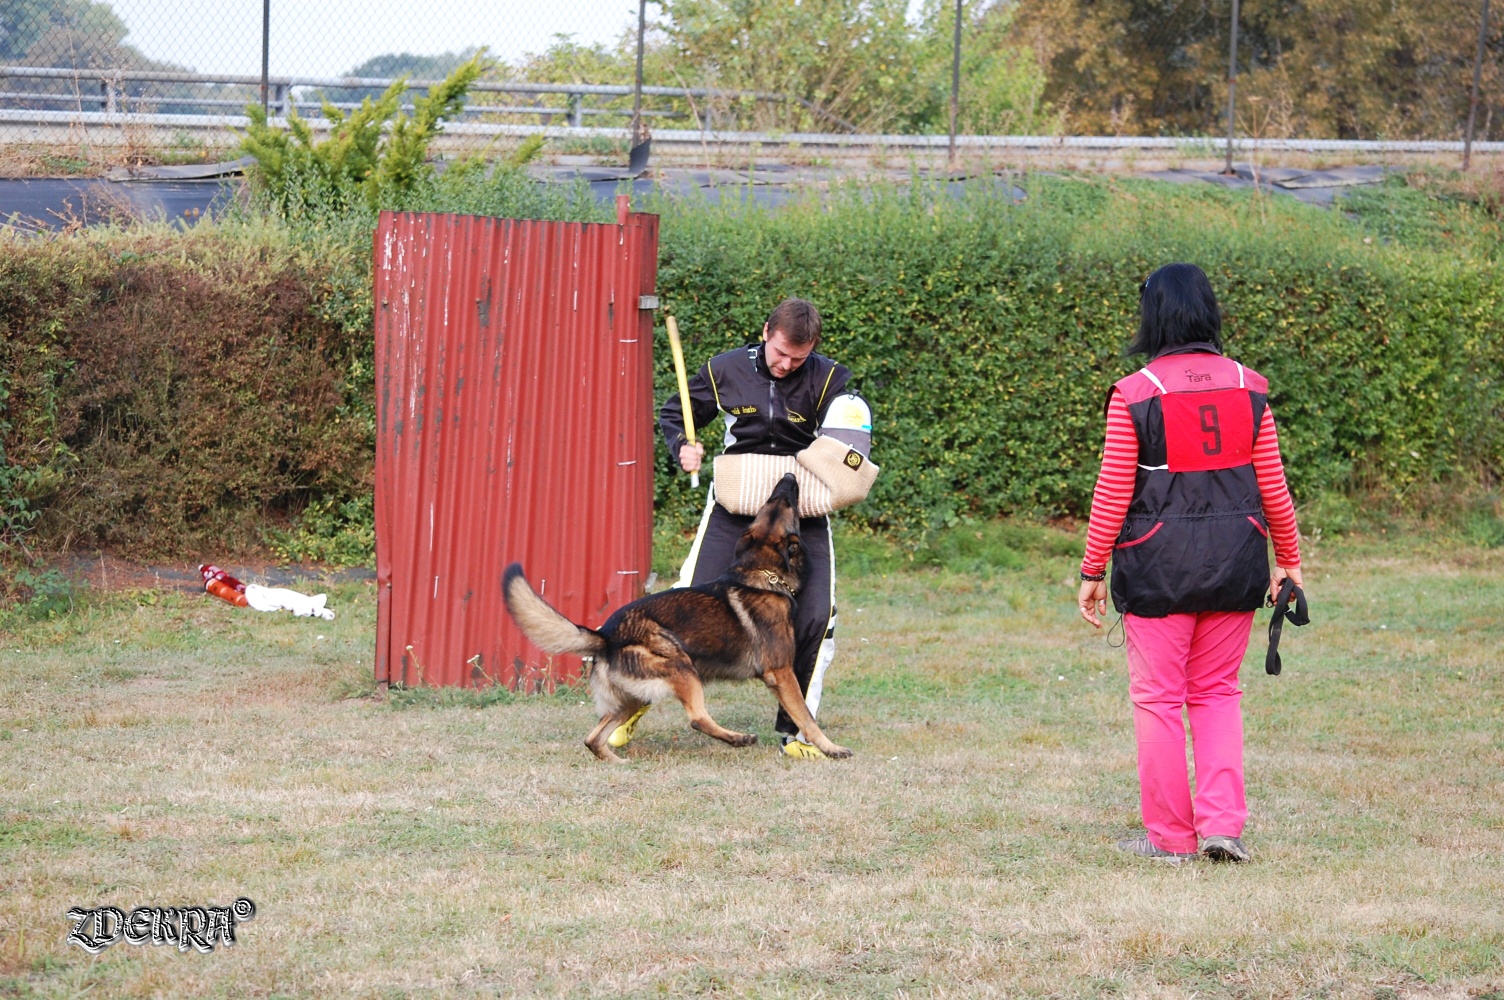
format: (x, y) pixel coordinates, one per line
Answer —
(689, 416)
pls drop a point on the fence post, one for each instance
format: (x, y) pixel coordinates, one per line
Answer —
(1472, 105)
(576, 104)
(1232, 85)
(266, 48)
(955, 86)
(642, 21)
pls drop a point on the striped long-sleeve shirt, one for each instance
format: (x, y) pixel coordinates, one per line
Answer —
(1109, 504)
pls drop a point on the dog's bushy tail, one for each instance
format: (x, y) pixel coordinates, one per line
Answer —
(549, 630)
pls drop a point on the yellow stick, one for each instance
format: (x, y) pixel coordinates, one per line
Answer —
(689, 417)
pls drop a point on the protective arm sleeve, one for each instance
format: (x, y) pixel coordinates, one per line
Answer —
(703, 406)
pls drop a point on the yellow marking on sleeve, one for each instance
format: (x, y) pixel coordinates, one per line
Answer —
(711, 372)
(826, 388)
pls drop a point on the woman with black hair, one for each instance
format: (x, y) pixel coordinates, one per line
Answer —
(1190, 491)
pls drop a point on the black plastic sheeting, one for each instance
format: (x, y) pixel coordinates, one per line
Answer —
(1316, 187)
(40, 204)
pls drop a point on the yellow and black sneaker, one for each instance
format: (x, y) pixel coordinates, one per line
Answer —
(802, 750)
(622, 734)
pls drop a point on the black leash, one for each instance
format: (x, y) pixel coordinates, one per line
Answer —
(1282, 611)
(1117, 626)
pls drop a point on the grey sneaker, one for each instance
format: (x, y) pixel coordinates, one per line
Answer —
(1143, 847)
(1220, 848)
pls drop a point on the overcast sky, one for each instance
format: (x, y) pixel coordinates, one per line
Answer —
(320, 37)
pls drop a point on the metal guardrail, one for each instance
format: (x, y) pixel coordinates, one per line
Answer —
(107, 92)
(112, 105)
(115, 110)
(1194, 146)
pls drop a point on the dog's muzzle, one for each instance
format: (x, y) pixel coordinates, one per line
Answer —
(787, 490)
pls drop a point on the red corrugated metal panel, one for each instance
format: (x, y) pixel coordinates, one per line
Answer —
(514, 422)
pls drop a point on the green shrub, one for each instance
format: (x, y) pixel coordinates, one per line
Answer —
(169, 391)
(1484, 525)
(48, 594)
(373, 155)
(1331, 513)
(330, 530)
(216, 388)
(986, 333)
(16, 510)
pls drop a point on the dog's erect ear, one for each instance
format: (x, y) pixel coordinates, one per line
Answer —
(755, 535)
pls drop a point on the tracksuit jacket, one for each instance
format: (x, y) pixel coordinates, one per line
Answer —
(764, 415)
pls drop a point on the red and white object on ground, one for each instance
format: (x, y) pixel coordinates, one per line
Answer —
(222, 585)
(250, 595)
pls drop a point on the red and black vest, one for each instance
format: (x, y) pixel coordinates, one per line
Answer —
(1195, 538)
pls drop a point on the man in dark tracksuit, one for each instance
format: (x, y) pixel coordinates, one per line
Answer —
(774, 396)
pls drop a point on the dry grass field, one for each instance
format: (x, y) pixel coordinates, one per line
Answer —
(166, 749)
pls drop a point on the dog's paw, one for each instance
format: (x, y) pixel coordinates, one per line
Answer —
(838, 752)
(743, 740)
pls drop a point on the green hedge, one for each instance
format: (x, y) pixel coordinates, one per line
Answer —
(985, 333)
(171, 392)
(169, 389)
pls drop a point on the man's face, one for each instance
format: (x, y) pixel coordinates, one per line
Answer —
(783, 357)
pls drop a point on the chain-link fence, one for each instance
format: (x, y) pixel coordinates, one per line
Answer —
(175, 73)
(172, 78)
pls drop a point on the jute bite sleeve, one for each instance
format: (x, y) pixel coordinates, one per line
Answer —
(743, 483)
(846, 473)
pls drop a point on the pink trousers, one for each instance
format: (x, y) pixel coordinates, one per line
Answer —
(1188, 661)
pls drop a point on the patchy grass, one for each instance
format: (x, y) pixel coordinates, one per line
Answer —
(171, 750)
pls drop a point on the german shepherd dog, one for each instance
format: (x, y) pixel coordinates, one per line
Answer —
(736, 627)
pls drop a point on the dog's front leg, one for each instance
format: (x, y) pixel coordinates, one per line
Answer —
(786, 687)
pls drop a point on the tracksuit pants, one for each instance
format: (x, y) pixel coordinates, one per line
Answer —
(815, 614)
(1188, 661)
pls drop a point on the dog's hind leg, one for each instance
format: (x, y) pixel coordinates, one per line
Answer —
(786, 687)
(596, 741)
(686, 686)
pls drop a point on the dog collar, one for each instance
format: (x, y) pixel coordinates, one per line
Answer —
(778, 582)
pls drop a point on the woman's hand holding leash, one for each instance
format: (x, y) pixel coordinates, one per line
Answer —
(1092, 599)
(1278, 577)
